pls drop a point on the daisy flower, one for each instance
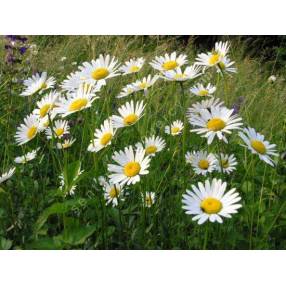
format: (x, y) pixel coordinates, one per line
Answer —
(112, 193)
(177, 74)
(102, 136)
(188, 157)
(47, 120)
(201, 90)
(75, 80)
(210, 201)
(131, 164)
(132, 66)
(202, 162)
(175, 128)
(65, 144)
(152, 145)
(272, 79)
(204, 104)
(168, 62)
(60, 128)
(27, 157)
(215, 122)
(256, 143)
(7, 175)
(130, 113)
(226, 163)
(222, 48)
(145, 83)
(126, 91)
(46, 104)
(38, 83)
(149, 199)
(226, 66)
(27, 131)
(79, 100)
(100, 69)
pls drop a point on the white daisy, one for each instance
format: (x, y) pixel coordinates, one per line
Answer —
(127, 90)
(38, 83)
(75, 80)
(177, 74)
(215, 122)
(112, 193)
(102, 136)
(79, 100)
(149, 199)
(152, 145)
(7, 175)
(226, 163)
(131, 165)
(175, 128)
(27, 157)
(65, 144)
(201, 90)
(188, 157)
(202, 162)
(210, 201)
(204, 104)
(129, 114)
(272, 79)
(145, 83)
(168, 62)
(257, 145)
(58, 130)
(222, 48)
(27, 131)
(46, 104)
(132, 66)
(226, 66)
(100, 69)
(47, 120)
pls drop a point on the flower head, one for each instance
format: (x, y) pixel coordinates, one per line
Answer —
(152, 145)
(7, 175)
(175, 128)
(132, 66)
(210, 201)
(131, 165)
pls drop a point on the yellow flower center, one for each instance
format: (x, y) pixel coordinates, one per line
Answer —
(211, 206)
(100, 73)
(215, 124)
(225, 164)
(150, 149)
(221, 65)
(143, 85)
(179, 76)
(203, 92)
(175, 130)
(130, 119)
(78, 104)
(170, 65)
(132, 169)
(113, 193)
(59, 132)
(214, 59)
(44, 110)
(148, 200)
(134, 69)
(105, 139)
(258, 146)
(32, 131)
(204, 164)
(43, 85)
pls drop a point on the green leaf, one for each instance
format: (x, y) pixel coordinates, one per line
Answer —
(58, 208)
(5, 244)
(47, 243)
(77, 235)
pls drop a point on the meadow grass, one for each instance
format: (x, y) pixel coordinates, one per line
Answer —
(35, 215)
